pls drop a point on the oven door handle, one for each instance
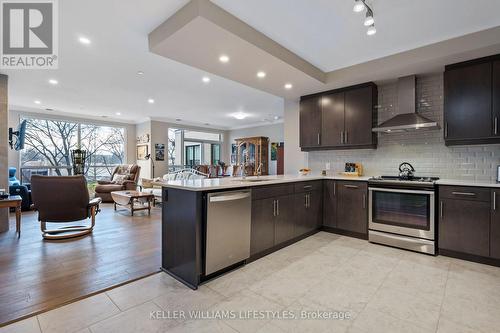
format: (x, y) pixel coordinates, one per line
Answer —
(391, 190)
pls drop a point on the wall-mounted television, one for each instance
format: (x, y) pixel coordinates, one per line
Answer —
(19, 135)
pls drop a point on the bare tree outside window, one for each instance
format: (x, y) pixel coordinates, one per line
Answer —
(49, 144)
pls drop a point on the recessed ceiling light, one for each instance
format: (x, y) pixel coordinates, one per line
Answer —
(224, 58)
(49, 109)
(53, 82)
(359, 6)
(38, 102)
(261, 74)
(205, 79)
(118, 113)
(371, 30)
(151, 101)
(240, 115)
(84, 40)
(207, 124)
(178, 119)
(288, 86)
(276, 117)
(140, 73)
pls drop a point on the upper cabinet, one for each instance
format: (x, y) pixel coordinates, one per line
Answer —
(339, 119)
(310, 122)
(472, 102)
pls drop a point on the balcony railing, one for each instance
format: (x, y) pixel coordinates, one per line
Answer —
(94, 172)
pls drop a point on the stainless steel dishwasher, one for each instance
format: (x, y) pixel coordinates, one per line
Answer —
(228, 229)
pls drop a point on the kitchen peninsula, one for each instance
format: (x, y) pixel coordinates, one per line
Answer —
(213, 225)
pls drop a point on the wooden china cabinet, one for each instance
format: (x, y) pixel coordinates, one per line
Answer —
(253, 150)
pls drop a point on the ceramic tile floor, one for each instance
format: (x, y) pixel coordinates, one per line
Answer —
(382, 290)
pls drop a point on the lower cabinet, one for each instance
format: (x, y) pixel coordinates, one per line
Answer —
(308, 214)
(284, 224)
(283, 212)
(495, 224)
(346, 206)
(262, 230)
(464, 220)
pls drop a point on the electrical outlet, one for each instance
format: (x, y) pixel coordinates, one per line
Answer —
(327, 166)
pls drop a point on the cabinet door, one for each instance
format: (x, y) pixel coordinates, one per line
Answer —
(300, 209)
(315, 210)
(464, 226)
(262, 230)
(310, 122)
(467, 102)
(359, 116)
(495, 225)
(352, 214)
(330, 204)
(332, 128)
(285, 220)
(496, 98)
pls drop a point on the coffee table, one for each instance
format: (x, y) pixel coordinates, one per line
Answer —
(133, 200)
(14, 201)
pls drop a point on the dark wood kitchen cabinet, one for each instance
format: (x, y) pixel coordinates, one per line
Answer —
(495, 224)
(308, 203)
(310, 122)
(352, 207)
(273, 217)
(262, 229)
(472, 102)
(346, 118)
(464, 220)
(330, 203)
(284, 225)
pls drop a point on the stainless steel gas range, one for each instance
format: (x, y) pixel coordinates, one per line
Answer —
(402, 212)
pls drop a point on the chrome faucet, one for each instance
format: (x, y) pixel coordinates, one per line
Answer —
(243, 165)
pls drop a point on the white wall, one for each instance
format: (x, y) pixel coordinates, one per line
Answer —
(142, 129)
(295, 159)
(275, 133)
(130, 135)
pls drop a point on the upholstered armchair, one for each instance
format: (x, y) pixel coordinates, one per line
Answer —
(63, 200)
(15, 188)
(124, 178)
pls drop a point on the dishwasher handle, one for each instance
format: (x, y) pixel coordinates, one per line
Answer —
(229, 196)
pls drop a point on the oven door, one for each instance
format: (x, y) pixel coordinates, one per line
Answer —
(403, 212)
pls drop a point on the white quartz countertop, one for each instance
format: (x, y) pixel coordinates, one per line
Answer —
(237, 182)
(458, 182)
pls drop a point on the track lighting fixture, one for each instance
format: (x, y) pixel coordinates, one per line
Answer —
(359, 6)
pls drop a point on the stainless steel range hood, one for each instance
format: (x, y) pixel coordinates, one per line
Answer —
(407, 118)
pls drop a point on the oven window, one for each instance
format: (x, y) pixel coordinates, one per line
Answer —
(401, 209)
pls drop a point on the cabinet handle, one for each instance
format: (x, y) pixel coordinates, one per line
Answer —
(495, 125)
(446, 129)
(494, 201)
(351, 186)
(467, 194)
(441, 209)
(308, 187)
(277, 208)
(274, 207)
(305, 200)
(346, 137)
(319, 139)
(334, 188)
(341, 136)
(364, 201)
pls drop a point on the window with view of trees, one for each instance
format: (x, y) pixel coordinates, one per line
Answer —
(49, 143)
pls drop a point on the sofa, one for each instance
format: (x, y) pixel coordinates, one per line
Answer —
(15, 188)
(124, 178)
(185, 174)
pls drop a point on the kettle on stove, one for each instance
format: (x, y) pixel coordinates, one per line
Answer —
(406, 170)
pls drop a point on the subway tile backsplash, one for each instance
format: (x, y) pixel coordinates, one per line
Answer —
(424, 149)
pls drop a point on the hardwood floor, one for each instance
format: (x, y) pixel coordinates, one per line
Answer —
(38, 275)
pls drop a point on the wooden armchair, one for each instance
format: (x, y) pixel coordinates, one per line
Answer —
(63, 200)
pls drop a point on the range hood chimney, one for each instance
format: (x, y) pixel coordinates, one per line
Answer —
(407, 118)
